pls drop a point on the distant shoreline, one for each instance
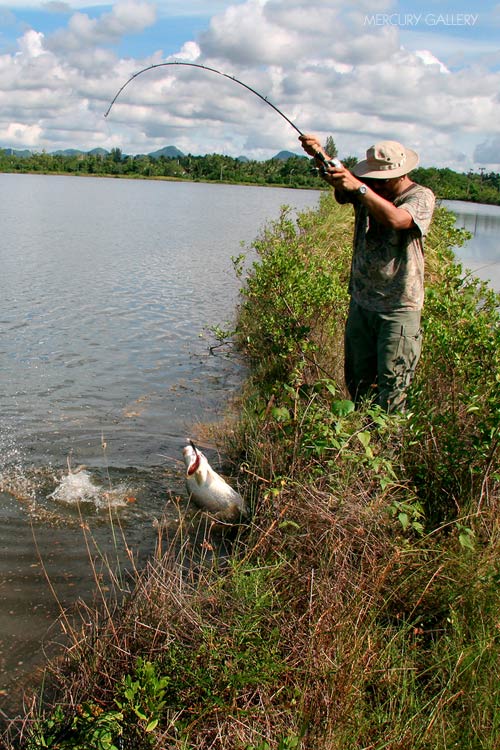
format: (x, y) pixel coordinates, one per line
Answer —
(201, 180)
(165, 178)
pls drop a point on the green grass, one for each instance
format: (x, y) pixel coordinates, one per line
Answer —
(359, 609)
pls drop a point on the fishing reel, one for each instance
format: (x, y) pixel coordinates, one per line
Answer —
(323, 169)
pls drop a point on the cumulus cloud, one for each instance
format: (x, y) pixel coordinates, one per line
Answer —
(488, 152)
(21, 135)
(284, 32)
(429, 59)
(83, 32)
(320, 62)
(31, 45)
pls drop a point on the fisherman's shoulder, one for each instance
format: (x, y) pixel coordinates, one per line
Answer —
(421, 192)
(420, 197)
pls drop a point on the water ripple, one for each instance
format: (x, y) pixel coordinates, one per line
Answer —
(108, 288)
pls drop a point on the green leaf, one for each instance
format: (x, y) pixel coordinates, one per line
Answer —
(364, 438)
(331, 387)
(465, 539)
(280, 413)
(289, 525)
(341, 408)
(404, 520)
(152, 725)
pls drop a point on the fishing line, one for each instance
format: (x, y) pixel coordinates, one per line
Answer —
(327, 162)
(212, 70)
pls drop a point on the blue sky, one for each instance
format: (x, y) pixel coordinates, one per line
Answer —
(168, 33)
(425, 73)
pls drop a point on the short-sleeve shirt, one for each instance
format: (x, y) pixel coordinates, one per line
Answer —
(387, 271)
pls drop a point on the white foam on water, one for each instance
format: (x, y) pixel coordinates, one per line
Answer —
(78, 487)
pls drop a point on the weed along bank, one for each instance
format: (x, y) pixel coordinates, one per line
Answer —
(358, 606)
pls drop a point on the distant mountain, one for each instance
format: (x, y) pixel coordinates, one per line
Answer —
(171, 152)
(284, 155)
(17, 152)
(59, 152)
(68, 152)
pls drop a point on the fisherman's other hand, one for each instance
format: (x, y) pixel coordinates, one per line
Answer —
(311, 144)
(341, 179)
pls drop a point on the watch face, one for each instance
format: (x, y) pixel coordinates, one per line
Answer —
(362, 189)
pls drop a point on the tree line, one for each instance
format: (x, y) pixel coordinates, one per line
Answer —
(294, 171)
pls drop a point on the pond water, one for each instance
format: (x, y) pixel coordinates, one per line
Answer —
(480, 254)
(108, 291)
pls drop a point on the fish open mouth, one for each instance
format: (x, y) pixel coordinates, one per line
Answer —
(193, 467)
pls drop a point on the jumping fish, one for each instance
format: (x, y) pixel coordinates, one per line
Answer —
(208, 490)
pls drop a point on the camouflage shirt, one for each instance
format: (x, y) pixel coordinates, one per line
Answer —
(387, 271)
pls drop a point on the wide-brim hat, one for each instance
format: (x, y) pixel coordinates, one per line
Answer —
(386, 159)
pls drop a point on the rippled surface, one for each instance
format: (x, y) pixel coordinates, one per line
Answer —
(107, 291)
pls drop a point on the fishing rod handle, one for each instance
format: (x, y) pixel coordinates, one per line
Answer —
(328, 162)
(336, 163)
(333, 163)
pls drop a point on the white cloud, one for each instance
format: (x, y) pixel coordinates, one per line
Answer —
(429, 59)
(244, 34)
(190, 52)
(21, 135)
(31, 44)
(56, 6)
(83, 32)
(488, 152)
(319, 62)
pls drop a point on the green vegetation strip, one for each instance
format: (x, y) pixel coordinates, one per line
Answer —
(290, 171)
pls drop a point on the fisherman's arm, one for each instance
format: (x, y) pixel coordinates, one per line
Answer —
(383, 211)
(347, 185)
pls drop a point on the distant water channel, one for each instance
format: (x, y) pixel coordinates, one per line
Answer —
(481, 254)
(108, 289)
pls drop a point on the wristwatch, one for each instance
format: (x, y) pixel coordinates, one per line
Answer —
(362, 190)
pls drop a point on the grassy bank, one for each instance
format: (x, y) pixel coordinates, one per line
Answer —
(359, 609)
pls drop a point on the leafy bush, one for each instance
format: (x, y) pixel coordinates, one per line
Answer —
(292, 299)
(453, 445)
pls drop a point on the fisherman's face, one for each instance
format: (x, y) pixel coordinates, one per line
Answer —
(388, 188)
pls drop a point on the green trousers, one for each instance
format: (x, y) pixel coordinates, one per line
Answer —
(381, 353)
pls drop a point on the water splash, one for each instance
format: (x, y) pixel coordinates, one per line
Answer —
(13, 475)
(33, 486)
(78, 487)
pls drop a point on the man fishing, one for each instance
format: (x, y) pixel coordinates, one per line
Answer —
(383, 337)
(393, 214)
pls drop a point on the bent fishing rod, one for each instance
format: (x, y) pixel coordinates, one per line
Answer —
(326, 162)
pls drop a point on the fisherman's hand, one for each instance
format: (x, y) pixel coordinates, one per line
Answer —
(312, 146)
(341, 179)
